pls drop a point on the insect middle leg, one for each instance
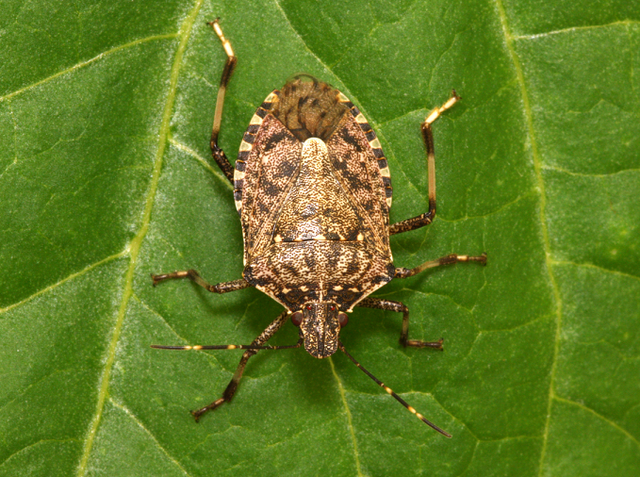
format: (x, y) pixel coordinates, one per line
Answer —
(194, 276)
(447, 260)
(427, 135)
(218, 154)
(398, 307)
(229, 392)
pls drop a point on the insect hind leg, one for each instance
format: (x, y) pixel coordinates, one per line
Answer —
(218, 154)
(427, 135)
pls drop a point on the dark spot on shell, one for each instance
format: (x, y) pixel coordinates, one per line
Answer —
(346, 136)
(273, 140)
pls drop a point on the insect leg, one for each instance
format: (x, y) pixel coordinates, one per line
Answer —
(217, 153)
(395, 396)
(448, 260)
(218, 347)
(223, 287)
(427, 135)
(398, 307)
(228, 393)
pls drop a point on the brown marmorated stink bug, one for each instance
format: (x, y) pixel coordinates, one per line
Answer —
(312, 187)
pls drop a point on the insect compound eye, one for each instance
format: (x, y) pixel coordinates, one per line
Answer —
(309, 307)
(296, 318)
(343, 319)
(332, 308)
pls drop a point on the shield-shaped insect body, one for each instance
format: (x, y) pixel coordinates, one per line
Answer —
(313, 190)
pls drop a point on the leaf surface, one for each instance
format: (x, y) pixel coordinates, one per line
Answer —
(106, 177)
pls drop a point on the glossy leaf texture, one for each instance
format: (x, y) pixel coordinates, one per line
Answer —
(106, 177)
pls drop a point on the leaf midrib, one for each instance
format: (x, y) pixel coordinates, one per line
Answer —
(537, 167)
(184, 34)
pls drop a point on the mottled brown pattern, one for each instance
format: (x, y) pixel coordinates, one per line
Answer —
(313, 203)
(317, 205)
(270, 170)
(359, 172)
(295, 273)
(314, 211)
(309, 108)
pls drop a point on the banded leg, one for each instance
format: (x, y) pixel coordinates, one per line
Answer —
(229, 392)
(427, 135)
(448, 260)
(218, 154)
(194, 276)
(253, 348)
(400, 308)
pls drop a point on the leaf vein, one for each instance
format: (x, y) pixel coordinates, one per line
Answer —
(349, 417)
(203, 161)
(574, 29)
(596, 267)
(82, 64)
(537, 166)
(608, 421)
(64, 280)
(584, 174)
(41, 441)
(473, 454)
(103, 387)
(143, 427)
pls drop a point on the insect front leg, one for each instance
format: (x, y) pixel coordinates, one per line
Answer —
(194, 276)
(218, 154)
(400, 308)
(232, 387)
(427, 135)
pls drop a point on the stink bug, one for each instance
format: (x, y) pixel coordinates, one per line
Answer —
(313, 191)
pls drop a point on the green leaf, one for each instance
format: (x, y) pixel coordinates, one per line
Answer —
(105, 114)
